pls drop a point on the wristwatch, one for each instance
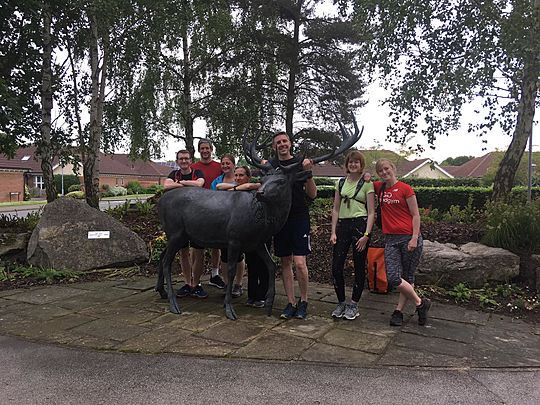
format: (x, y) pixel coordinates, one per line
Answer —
(367, 234)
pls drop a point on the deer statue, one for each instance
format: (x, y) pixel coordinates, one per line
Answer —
(240, 221)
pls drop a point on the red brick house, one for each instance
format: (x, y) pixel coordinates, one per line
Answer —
(25, 169)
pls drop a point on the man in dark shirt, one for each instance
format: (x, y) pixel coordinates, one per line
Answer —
(185, 176)
(292, 243)
(211, 169)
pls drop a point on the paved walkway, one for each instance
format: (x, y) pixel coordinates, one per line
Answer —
(128, 316)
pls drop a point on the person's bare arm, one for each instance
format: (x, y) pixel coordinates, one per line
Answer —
(335, 214)
(415, 213)
(169, 184)
(193, 183)
(224, 186)
(310, 186)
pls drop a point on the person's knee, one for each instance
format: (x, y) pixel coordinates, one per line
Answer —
(394, 281)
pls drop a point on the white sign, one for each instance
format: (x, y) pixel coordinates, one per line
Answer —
(99, 234)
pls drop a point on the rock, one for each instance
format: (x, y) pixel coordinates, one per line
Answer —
(11, 243)
(13, 246)
(473, 264)
(535, 263)
(61, 239)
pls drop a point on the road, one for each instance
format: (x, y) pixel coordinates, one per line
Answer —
(23, 210)
(41, 374)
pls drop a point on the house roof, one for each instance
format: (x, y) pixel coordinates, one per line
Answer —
(476, 167)
(404, 167)
(24, 159)
(117, 164)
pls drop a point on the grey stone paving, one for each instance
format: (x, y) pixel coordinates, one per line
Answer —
(128, 316)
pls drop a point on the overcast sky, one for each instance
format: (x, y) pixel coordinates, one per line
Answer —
(374, 118)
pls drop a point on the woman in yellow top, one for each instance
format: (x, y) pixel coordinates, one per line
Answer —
(353, 216)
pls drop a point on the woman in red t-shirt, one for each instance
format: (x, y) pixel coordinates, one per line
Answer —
(403, 241)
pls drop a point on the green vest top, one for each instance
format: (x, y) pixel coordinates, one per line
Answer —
(354, 208)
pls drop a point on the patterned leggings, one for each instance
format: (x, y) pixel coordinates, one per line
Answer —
(399, 262)
(348, 231)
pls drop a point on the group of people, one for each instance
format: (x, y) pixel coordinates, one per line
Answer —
(353, 218)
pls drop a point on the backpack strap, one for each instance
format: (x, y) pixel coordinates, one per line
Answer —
(347, 199)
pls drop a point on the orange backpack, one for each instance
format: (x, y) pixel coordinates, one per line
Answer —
(376, 271)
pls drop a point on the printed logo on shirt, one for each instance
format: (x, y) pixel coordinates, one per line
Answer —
(387, 198)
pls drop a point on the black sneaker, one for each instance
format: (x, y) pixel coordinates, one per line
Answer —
(422, 311)
(397, 318)
(250, 302)
(259, 304)
(198, 292)
(289, 311)
(301, 312)
(237, 291)
(217, 281)
(184, 291)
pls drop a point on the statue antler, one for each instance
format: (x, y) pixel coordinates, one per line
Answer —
(348, 141)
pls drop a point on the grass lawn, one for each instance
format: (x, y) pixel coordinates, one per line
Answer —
(18, 203)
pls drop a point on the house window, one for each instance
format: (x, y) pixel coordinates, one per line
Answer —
(38, 182)
(119, 181)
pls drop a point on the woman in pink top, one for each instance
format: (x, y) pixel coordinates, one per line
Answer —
(403, 241)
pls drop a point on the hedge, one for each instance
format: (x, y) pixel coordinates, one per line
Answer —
(443, 198)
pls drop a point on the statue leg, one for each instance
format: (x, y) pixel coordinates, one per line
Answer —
(232, 253)
(264, 255)
(168, 257)
(160, 281)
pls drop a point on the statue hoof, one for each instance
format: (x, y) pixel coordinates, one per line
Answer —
(230, 313)
(174, 308)
(162, 293)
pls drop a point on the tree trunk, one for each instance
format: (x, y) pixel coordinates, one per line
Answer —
(44, 146)
(186, 95)
(98, 81)
(293, 71)
(506, 173)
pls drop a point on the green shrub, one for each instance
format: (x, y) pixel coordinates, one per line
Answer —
(74, 187)
(513, 226)
(27, 195)
(325, 191)
(69, 180)
(465, 215)
(145, 207)
(134, 187)
(76, 194)
(458, 182)
(153, 189)
(115, 191)
(324, 181)
(105, 187)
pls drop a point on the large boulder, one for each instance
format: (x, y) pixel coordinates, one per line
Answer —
(446, 264)
(13, 245)
(72, 235)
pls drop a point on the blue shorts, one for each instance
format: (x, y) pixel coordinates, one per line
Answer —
(293, 239)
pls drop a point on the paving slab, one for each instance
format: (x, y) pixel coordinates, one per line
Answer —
(313, 327)
(237, 332)
(274, 345)
(365, 342)
(123, 314)
(98, 285)
(44, 312)
(154, 341)
(369, 321)
(438, 328)
(6, 293)
(110, 330)
(324, 353)
(108, 294)
(45, 295)
(194, 345)
(143, 284)
(6, 303)
(411, 357)
(195, 322)
(434, 345)
(458, 314)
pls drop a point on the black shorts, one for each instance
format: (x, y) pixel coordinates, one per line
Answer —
(225, 259)
(293, 239)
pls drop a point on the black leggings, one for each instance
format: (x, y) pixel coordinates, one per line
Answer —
(349, 231)
(257, 276)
